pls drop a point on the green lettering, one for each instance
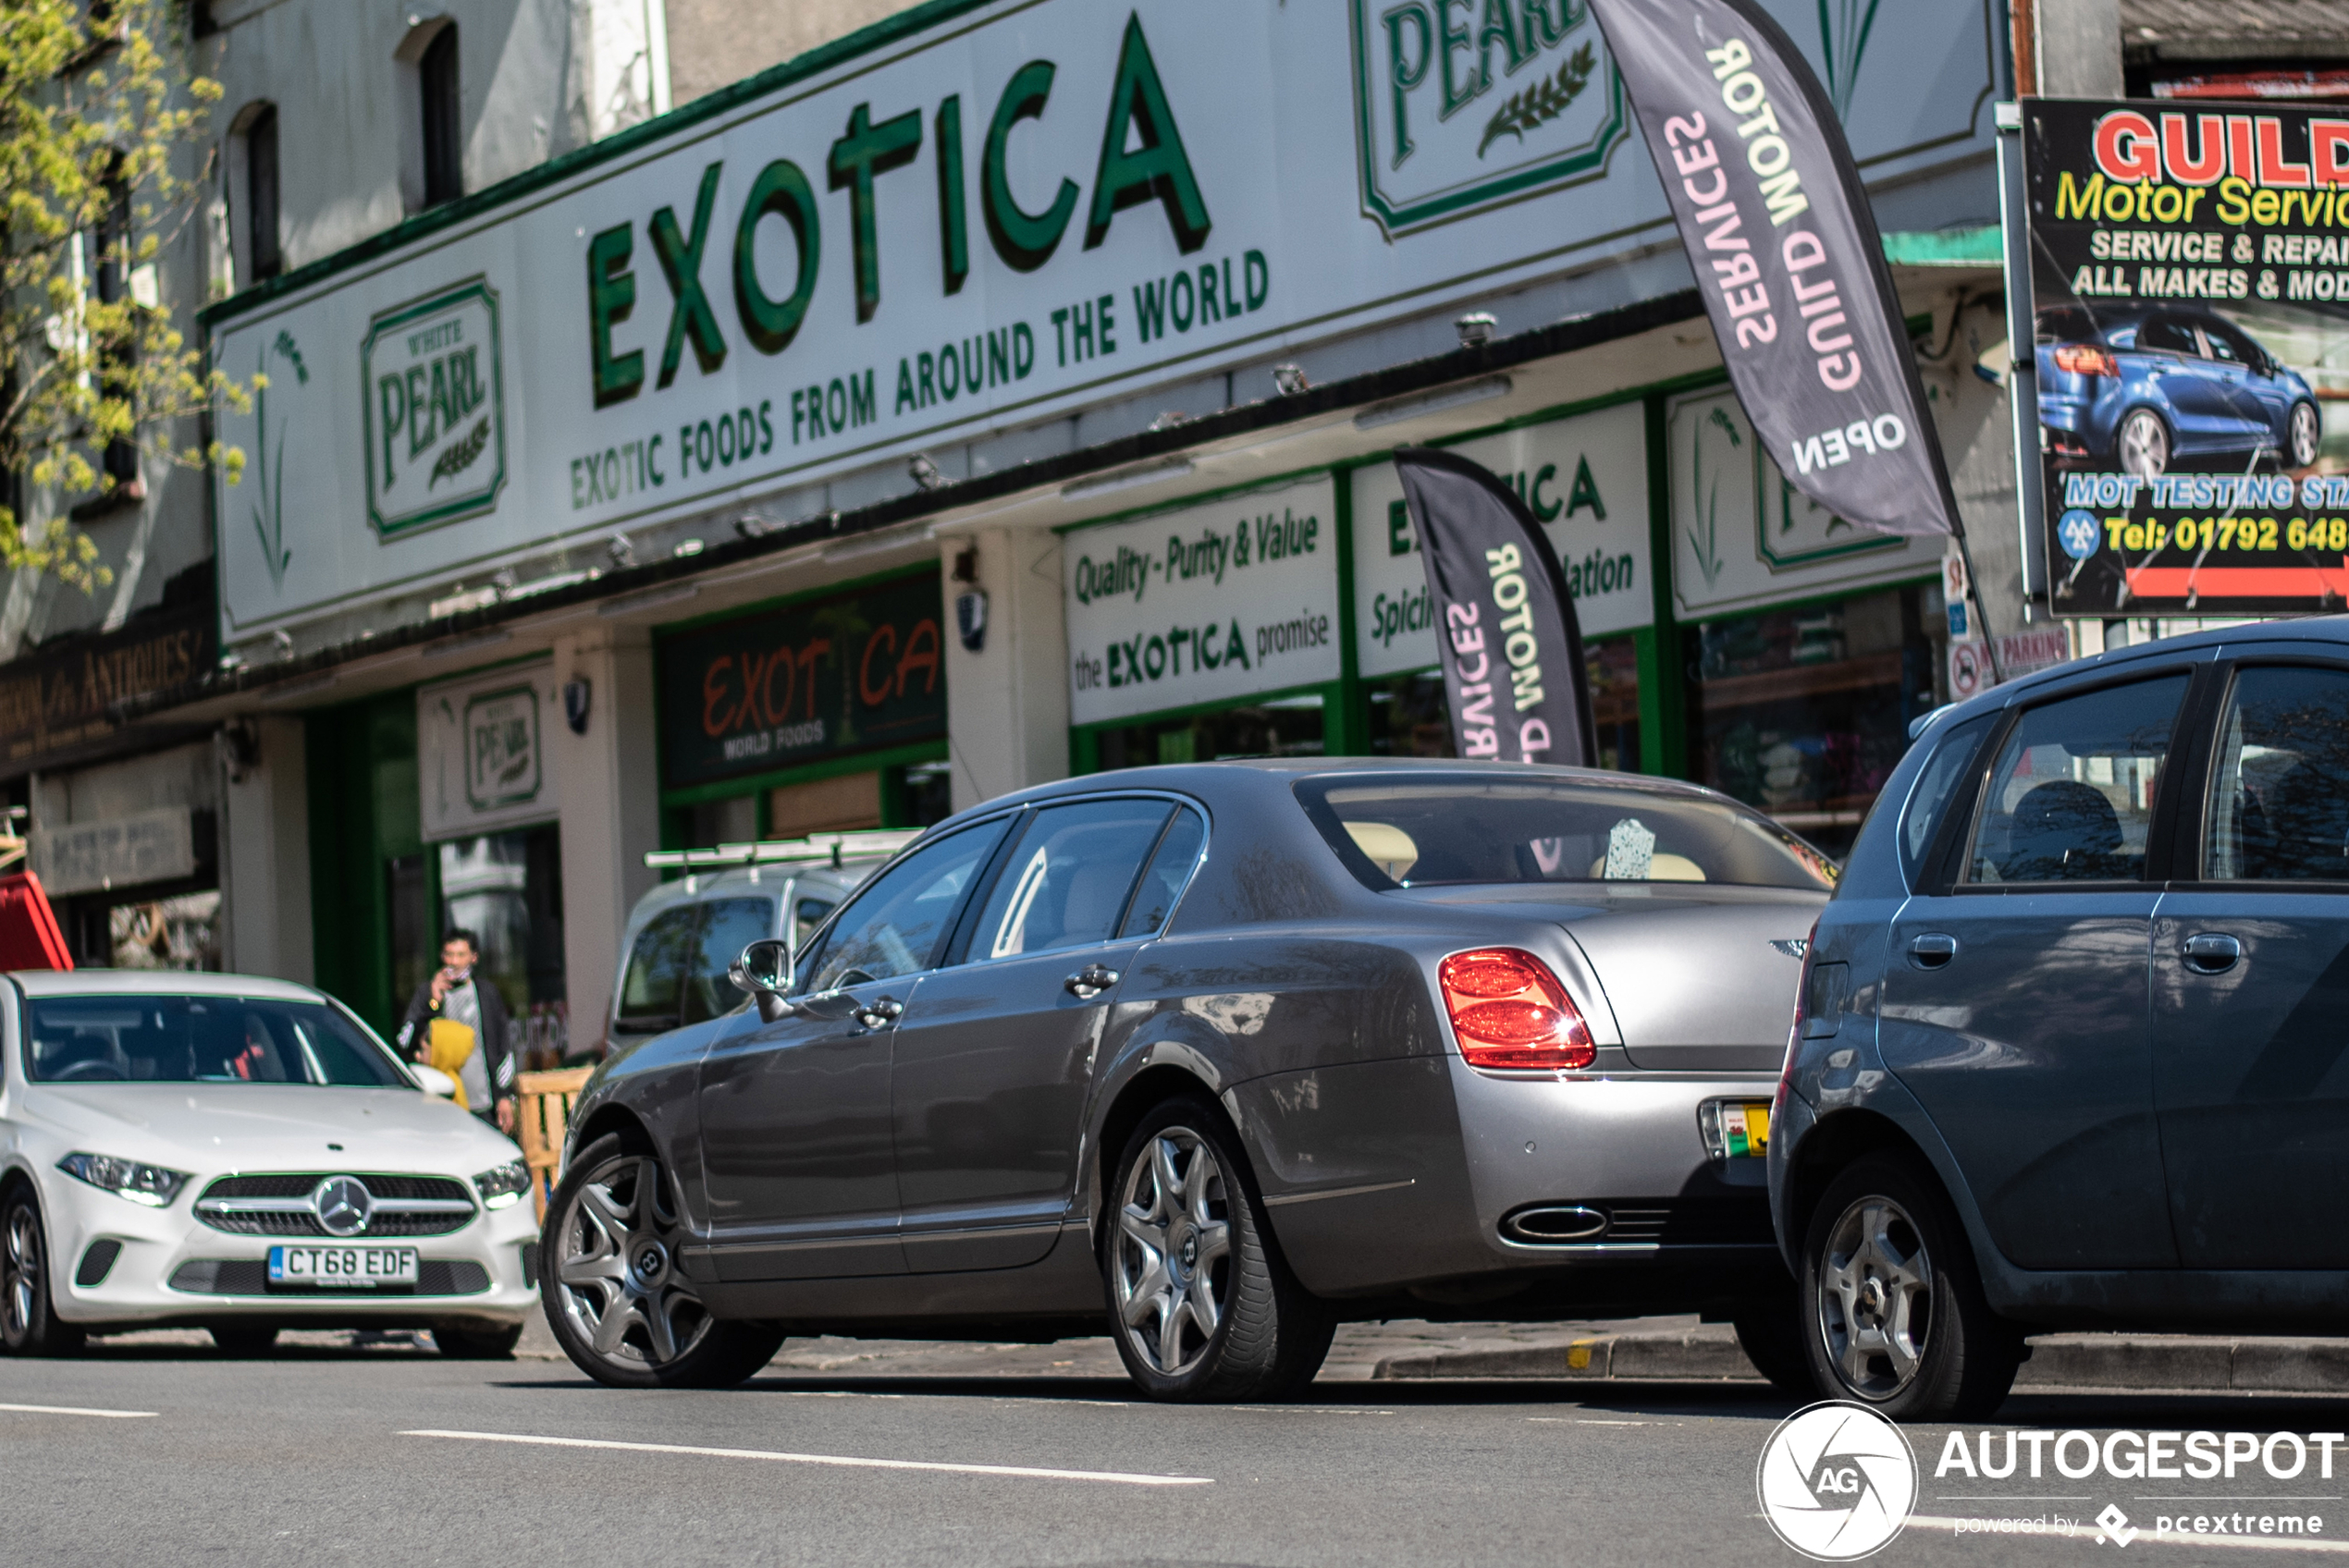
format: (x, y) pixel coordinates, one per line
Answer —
(680, 264)
(866, 151)
(1584, 493)
(1499, 26)
(954, 232)
(1158, 168)
(1456, 97)
(1402, 78)
(611, 295)
(1025, 240)
(783, 190)
(392, 396)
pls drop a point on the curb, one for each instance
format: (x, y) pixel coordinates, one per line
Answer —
(2098, 1361)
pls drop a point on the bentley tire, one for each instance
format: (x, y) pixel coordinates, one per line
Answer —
(615, 1293)
(1893, 1313)
(29, 1321)
(1202, 1307)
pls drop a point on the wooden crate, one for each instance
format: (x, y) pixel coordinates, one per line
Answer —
(544, 1118)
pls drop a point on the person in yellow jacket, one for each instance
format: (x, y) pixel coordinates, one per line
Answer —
(457, 1023)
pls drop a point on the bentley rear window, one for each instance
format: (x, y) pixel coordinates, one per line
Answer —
(1425, 831)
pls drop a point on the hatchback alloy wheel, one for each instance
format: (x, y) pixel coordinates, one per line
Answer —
(1875, 1300)
(29, 1324)
(2303, 436)
(2144, 444)
(1173, 1274)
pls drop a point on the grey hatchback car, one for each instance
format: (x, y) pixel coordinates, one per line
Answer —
(1214, 1057)
(2070, 1051)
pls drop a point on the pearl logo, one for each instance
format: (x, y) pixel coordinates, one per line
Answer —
(1836, 1481)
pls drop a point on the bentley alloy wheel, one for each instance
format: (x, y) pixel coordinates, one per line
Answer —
(1203, 1305)
(1172, 1268)
(616, 1295)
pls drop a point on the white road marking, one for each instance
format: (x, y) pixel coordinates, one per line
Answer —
(2144, 1536)
(842, 1461)
(74, 1410)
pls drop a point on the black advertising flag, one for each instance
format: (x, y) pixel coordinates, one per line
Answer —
(1513, 674)
(1786, 256)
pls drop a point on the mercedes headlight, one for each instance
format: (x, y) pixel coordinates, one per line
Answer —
(149, 1184)
(503, 1186)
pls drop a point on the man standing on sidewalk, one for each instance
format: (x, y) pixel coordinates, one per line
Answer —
(454, 996)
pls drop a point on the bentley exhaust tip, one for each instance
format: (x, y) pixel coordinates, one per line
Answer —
(1553, 1222)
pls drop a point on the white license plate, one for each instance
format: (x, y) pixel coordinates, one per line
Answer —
(345, 1267)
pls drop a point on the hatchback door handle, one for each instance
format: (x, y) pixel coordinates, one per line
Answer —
(1091, 982)
(2210, 953)
(1932, 950)
(880, 1010)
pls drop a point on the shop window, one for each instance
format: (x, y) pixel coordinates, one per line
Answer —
(1804, 713)
(1409, 718)
(443, 117)
(1291, 726)
(828, 805)
(926, 794)
(713, 822)
(265, 257)
(174, 932)
(414, 953)
(506, 890)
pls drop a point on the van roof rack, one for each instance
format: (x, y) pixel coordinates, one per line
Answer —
(872, 843)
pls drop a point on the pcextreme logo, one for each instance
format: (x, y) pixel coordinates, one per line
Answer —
(433, 409)
(1836, 1481)
(1457, 108)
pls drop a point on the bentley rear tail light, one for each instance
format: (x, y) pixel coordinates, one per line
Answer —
(2087, 358)
(1510, 1011)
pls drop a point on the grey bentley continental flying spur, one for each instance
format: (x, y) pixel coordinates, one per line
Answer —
(1218, 1057)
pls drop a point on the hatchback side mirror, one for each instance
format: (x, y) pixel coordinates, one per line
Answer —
(432, 1080)
(764, 970)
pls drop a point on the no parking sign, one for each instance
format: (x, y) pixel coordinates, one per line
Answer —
(1969, 670)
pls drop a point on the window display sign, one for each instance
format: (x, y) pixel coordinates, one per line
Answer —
(1585, 479)
(480, 748)
(824, 677)
(1743, 538)
(1203, 604)
(2189, 292)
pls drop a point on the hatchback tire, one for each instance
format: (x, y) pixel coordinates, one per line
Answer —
(477, 1344)
(29, 1321)
(1893, 1314)
(2304, 435)
(2141, 444)
(614, 1294)
(1769, 1329)
(1202, 1306)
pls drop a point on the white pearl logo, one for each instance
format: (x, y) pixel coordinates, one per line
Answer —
(1837, 1482)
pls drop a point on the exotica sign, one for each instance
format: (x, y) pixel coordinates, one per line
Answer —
(969, 218)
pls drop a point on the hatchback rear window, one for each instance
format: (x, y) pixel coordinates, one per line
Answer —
(1423, 831)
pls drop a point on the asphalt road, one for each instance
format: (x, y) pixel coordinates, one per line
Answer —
(334, 1455)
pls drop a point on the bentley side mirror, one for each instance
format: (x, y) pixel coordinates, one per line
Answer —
(764, 970)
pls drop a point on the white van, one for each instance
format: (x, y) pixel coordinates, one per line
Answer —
(683, 935)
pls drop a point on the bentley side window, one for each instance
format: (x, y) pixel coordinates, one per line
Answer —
(728, 926)
(896, 922)
(2071, 795)
(656, 974)
(1068, 877)
(1170, 869)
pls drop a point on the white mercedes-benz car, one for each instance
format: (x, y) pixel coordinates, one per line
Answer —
(244, 1156)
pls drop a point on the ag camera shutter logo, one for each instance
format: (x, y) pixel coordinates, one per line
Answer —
(1836, 1481)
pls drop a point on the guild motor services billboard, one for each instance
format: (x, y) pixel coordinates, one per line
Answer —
(968, 218)
(2190, 290)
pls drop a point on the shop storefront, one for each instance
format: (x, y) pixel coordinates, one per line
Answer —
(819, 712)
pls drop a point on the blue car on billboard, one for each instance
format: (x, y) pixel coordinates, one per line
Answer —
(2140, 388)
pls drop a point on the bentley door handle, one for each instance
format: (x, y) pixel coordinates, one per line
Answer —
(1932, 950)
(2210, 953)
(1091, 982)
(880, 1010)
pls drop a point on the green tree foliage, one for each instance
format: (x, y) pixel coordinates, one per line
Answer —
(102, 163)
